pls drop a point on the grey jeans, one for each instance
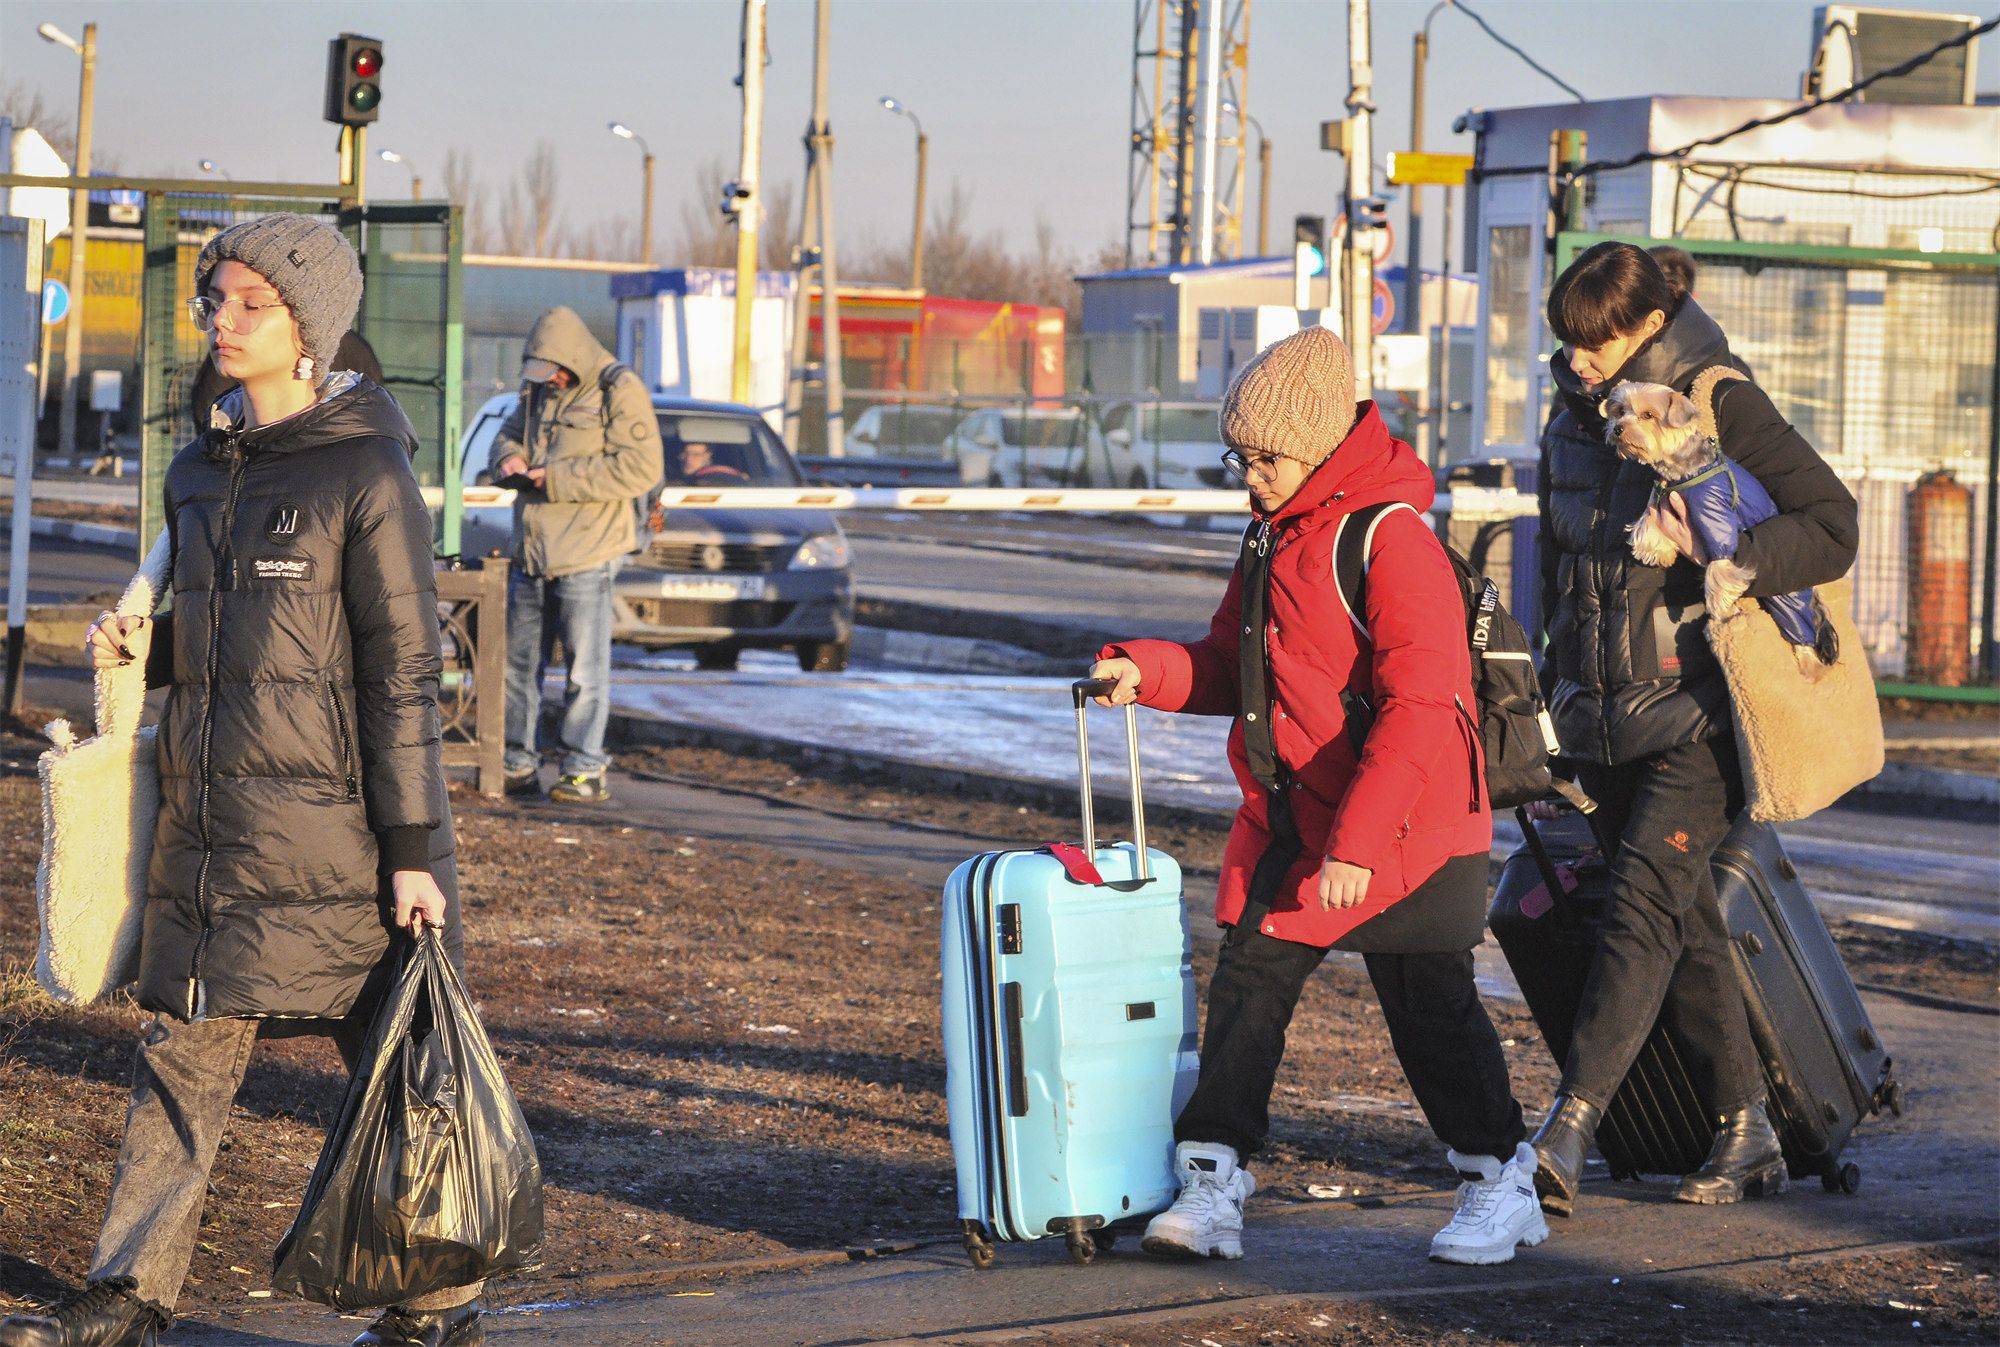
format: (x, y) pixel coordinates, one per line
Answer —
(184, 1081)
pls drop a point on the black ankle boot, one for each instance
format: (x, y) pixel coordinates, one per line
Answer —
(1561, 1143)
(1746, 1161)
(398, 1327)
(102, 1314)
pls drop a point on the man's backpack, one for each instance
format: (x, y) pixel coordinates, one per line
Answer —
(1515, 729)
(647, 516)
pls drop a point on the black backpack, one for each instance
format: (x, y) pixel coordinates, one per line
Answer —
(1515, 729)
(646, 515)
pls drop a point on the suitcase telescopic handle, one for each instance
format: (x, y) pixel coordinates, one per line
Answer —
(1082, 691)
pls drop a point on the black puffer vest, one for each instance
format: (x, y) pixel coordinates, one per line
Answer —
(1628, 666)
(302, 718)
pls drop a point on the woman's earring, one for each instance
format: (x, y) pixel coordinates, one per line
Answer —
(304, 369)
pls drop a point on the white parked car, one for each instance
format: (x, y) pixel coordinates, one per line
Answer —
(1037, 447)
(1171, 444)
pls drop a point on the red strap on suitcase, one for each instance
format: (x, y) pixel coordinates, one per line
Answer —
(1078, 866)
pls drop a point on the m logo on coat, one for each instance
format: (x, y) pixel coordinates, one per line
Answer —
(284, 522)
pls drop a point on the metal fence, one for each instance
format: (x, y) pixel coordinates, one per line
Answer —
(1885, 359)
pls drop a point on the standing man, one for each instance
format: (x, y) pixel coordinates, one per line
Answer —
(581, 446)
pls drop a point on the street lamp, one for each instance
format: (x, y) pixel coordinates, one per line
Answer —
(79, 225)
(624, 132)
(923, 170)
(1263, 175)
(210, 166)
(416, 178)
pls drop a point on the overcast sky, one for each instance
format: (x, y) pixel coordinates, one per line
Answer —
(1027, 104)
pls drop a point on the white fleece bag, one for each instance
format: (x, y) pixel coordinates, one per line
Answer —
(100, 797)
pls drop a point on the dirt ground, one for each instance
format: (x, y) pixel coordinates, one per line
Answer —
(1924, 1295)
(706, 1076)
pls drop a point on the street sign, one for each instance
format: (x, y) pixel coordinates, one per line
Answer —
(55, 303)
(1429, 170)
(1383, 311)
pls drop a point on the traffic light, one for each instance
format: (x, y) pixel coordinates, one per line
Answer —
(353, 79)
(1309, 244)
(1368, 212)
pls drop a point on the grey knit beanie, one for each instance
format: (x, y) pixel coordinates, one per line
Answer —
(1294, 399)
(311, 266)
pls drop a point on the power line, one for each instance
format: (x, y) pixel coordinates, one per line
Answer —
(1533, 64)
(1755, 123)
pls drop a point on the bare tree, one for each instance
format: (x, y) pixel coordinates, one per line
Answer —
(707, 239)
(528, 216)
(779, 229)
(615, 239)
(461, 187)
(29, 107)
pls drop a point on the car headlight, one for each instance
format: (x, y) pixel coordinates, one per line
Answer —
(822, 552)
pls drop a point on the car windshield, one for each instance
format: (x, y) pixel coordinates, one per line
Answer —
(1178, 424)
(1063, 430)
(703, 449)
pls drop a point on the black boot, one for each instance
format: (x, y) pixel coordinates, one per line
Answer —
(398, 1327)
(1561, 1143)
(1746, 1161)
(102, 1314)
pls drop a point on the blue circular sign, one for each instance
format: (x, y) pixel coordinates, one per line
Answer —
(55, 303)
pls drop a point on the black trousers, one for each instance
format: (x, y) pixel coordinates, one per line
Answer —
(1662, 945)
(1437, 1025)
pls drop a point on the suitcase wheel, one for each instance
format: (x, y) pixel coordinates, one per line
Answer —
(1106, 1239)
(1844, 1179)
(977, 1247)
(1892, 1098)
(1082, 1247)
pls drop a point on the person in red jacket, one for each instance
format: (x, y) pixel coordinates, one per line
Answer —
(1364, 823)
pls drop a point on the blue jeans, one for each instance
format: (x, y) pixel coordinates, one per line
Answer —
(578, 607)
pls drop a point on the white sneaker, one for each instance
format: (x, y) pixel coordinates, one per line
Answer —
(1497, 1210)
(1206, 1220)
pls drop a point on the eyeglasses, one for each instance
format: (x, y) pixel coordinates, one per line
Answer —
(207, 312)
(1241, 468)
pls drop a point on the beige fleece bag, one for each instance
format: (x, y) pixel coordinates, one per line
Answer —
(1803, 744)
(100, 797)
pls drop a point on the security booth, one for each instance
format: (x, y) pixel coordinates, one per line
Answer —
(1850, 256)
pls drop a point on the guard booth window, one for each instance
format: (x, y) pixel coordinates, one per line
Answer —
(1510, 323)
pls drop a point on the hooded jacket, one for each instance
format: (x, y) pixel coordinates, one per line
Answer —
(1414, 796)
(300, 736)
(1628, 665)
(599, 458)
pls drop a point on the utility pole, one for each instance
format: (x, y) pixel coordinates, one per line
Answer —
(1263, 194)
(1360, 299)
(816, 258)
(917, 223)
(1413, 257)
(1211, 130)
(744, 194)
(79, 246)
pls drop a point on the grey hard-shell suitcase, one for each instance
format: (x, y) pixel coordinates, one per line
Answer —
(1824, 1065)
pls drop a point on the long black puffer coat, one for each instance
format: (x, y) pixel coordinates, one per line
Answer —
(299, 747)
(1628, 664)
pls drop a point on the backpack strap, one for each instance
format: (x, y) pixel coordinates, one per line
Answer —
(1353, 545)
(1702, 393)
(612, 373)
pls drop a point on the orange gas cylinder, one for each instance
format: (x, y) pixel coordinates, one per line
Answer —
(1940, 570)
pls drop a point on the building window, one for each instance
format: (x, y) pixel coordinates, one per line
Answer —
(1510, 319)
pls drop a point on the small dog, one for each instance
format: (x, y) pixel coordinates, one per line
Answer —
(1654, 426)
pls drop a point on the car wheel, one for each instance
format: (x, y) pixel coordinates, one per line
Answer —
(823, 656)
(717, 658)
(1138, 480)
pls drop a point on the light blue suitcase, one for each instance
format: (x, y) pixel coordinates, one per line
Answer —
(1069, 1032)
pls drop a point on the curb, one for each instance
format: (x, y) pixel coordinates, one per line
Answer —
(78, 531)
(951, 654)
(1908, 781)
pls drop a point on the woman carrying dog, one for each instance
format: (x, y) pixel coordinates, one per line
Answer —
(1641, 708)
(1365, 833)
(303, 816)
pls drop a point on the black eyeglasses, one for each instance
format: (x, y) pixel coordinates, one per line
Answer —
(1240, 467)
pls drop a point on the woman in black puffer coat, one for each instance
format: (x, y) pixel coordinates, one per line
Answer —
(1642, 711)
(303, 816)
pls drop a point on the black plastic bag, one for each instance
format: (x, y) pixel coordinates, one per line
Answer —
(429, 1180)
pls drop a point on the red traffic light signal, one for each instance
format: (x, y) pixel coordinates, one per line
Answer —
(353, 79)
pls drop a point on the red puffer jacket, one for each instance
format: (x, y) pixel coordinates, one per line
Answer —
(1415, 797)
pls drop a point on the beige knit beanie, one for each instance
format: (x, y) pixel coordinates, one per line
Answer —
(1294, 399)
